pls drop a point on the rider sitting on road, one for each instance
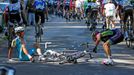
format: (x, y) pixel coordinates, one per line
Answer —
(20, 44)
(109, 37)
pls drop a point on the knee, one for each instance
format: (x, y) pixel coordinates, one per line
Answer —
(106, 44)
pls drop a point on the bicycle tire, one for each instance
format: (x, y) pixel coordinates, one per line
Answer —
(39, 32)
(128, 43)
(128, 40)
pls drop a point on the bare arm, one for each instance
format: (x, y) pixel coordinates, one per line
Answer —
(24, 49)
(26, 52)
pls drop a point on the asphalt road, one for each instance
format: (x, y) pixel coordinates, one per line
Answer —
(68, 36)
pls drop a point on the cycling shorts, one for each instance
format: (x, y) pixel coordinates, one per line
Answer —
(117, 38)
(127, 13)
(15, 17)
(39, 14)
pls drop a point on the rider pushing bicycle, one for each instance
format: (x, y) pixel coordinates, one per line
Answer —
(109, 37)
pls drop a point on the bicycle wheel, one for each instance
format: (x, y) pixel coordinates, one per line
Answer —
(39, 32)
(88, 21)
(128, 42)
(36, 32)
(129, 33)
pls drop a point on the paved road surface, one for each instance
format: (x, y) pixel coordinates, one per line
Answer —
(69, 36)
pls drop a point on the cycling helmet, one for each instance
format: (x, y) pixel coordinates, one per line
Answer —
(94, 35)
(19, 29)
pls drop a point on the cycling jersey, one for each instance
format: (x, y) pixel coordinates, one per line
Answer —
(18, 44)
(14, 8)
(113, 36)
(109, 9)
(40, 4)
(105, 35)
(127, 5)
(78, 4)
(92, 5)
(85, 4)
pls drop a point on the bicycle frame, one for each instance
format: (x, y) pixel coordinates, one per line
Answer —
(65, 56)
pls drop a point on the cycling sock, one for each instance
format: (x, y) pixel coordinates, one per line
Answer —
(39, 51)
(109, 57)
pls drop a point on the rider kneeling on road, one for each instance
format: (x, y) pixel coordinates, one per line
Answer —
(20, 44)
(109, 37)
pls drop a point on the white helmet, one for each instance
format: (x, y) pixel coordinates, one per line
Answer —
(19, 29)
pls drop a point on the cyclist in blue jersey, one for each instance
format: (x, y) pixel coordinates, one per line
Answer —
(14, 12)
(40, 7)
(20, 44)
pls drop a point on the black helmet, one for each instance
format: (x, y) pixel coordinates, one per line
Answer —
(94, 35)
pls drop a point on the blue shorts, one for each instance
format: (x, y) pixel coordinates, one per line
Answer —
(117, 38)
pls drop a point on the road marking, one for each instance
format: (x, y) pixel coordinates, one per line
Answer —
(73, 27)
(62, 22)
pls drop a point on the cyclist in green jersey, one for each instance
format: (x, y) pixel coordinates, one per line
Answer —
(109, 37)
